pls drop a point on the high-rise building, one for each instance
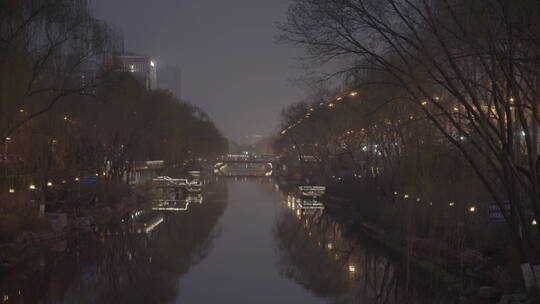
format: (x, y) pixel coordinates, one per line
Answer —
(142, 67)
(170, 78)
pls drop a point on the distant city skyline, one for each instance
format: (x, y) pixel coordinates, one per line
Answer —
(231, 66)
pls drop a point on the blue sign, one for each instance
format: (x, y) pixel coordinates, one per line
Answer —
(89, 180)
(495, 213)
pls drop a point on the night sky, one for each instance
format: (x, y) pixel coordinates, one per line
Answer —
(232, 68)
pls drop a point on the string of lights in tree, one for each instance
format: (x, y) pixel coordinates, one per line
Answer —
(332, 104)
(329, 104)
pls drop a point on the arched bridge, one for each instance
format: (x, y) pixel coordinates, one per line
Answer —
(245, 165)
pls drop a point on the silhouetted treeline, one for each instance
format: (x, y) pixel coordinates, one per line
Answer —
(65, 112)
(432, 85)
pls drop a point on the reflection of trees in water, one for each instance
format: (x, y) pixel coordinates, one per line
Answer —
(267, 187)
(314, 253)
(305, 261)
(119, 267)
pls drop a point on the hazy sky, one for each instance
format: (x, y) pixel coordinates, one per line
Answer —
(231, 66)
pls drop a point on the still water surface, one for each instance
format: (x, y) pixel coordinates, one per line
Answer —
(244, 265)
(245, 243)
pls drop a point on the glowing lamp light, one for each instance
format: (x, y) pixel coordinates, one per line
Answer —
(32, 187)
(511, 99)
(437, 98)
(418, 199)
(352, 268)
(456, 109)
(49, 184)
(331, 105)
(8, 138)
(339, 98)
(64, 181)
(395, 193)
(424, 103)
(354, 94)
(11, 190)
(21, 110)
(330, 246)
(534, 223)
(406, 196)
(451, 204)
(472, 209)
(152, 63)
(76, 179)
(65, 118)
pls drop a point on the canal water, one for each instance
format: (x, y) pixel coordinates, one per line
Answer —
(245, 242)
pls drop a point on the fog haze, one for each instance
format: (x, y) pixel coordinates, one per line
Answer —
(231, 66)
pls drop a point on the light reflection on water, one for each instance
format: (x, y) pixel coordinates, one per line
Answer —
(135, 261)
(244, 243)
(332, 261)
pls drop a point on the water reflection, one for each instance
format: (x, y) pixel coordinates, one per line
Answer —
(146, 257)
(331, 261)
(137, 260)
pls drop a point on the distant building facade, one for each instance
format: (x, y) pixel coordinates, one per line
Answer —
(142, 67)
(170, 78)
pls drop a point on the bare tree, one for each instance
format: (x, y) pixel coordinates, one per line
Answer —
(50, 50)
(469, 66)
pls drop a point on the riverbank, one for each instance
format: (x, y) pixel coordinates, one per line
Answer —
(413, 231)
(41, 226)
(95, 264)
